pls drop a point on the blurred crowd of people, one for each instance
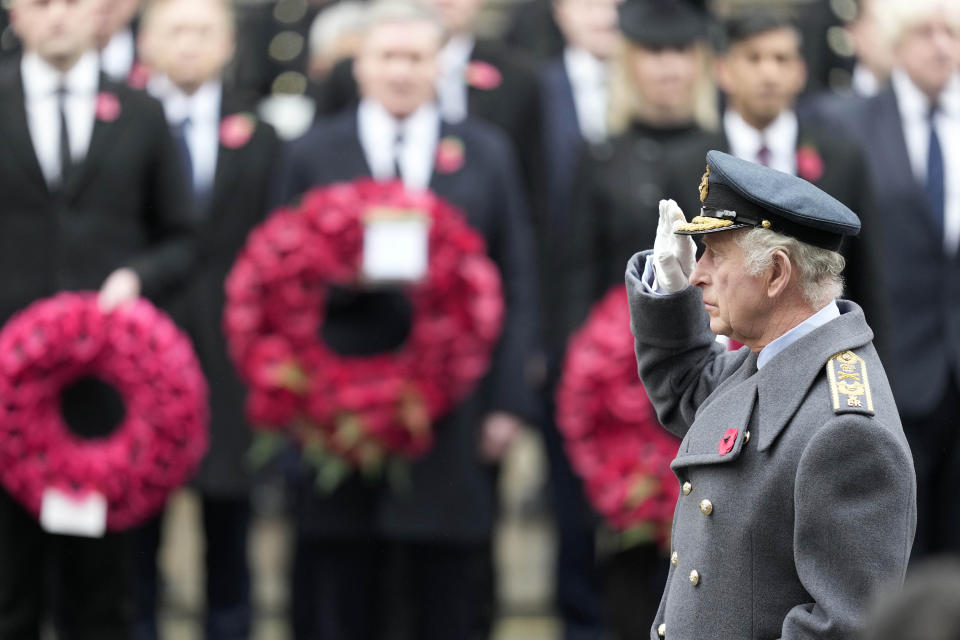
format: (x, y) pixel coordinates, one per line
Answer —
(573, 118)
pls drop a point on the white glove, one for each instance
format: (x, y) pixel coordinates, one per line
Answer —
(122, 287)
(674, 256)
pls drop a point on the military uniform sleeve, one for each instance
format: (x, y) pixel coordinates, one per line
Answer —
(854, 524)
(678, 358)
(171, 228)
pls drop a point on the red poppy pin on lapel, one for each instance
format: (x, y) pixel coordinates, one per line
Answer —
(139, 76)
(809, 163)
(236, 130)
(483, 75)
(108, 107)
(726, 443)
(450, 155)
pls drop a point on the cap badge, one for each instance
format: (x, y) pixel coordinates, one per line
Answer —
(705, 185)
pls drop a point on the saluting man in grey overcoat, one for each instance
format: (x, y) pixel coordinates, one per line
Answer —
(798, 493)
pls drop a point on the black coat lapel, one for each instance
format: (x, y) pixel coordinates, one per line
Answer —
(107, 127)
(441, 179)
(13, 117)
(352, 155)
(892, 148)
(228, 159)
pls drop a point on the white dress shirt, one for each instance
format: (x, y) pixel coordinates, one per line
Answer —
(588, 78)
(40, 85)
(420, 131)
(116, 59)
(452, 83)
(914, 107)
(780, 137)
(864, 82)
(203, 131)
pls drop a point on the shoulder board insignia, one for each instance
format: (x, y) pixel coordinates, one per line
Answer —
(849, 384)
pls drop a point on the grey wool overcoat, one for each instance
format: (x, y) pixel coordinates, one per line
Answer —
(798, 493)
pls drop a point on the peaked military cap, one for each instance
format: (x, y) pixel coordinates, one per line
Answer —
(662, 23)
(736, 194)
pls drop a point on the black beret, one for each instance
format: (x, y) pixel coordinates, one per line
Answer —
(736, 193)
(662, 23)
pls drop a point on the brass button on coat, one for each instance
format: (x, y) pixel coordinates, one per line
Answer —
(662, 631)
(694, 577)
(746, 437)
(706, 507)
(674, 559)
(687, 488)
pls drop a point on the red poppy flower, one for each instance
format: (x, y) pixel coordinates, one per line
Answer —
(359, 409)
(107, 107)
(809, 163)
(450, 156)
(139, 76)
(236, 130)
(610, 430)
(483, 75)
(140, 353)
(727, 442)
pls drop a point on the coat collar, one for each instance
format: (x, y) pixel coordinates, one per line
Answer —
(783, 383)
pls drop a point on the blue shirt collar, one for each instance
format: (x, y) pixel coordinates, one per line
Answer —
(817, 320)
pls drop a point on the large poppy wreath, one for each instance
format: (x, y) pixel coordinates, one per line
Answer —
(612, 436)
(65, 347)
(358, 410)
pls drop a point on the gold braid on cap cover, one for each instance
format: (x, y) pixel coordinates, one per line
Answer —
(703, 223)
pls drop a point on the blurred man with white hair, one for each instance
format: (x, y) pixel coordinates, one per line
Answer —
(911, 135)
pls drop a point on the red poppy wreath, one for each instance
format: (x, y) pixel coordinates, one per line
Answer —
(610, 430)
(349, 410)
(160, 436)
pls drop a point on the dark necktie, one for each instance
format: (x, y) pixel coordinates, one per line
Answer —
(397, 153)
(936, 193)
(763, 156)
(179, 132)
(66, 161)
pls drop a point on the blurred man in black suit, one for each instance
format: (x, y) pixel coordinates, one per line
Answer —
(480, 78)
(229, 158)
(911, 135)
(93, 193)
(574, 88)
(437, 533)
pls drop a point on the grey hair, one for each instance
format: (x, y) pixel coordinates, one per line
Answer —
(818, 270)
(334, 21)
(387, 11)
(896, 17)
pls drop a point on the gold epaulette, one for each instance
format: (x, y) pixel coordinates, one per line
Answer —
(849, 384)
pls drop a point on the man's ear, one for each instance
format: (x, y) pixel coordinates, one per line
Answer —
(780, 274)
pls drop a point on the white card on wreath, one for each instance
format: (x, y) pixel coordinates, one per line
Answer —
(395, 245)
(71, 515)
